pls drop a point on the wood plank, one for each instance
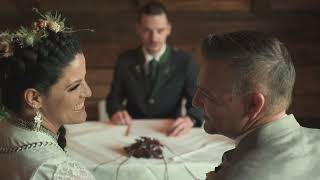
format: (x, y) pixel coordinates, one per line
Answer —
(208, 5)
(122, 29)
(289, 25)
(301, 60)
(295, 5)
(113, 6)
(304, 53)
(99, 91)
(8, 7)
(87, 6)
(92, 110)
(261, 7)
(99, 76)
(103, 55)
(305, 107)
(10, 21)
(309, 122)
(307, 80)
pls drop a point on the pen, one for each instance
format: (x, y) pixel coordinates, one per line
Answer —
(128, 130)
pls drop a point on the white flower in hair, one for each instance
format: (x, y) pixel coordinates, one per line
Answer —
(25, 37)
(5, 44)
(54, 26)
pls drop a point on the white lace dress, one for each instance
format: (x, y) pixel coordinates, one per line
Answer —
(29, 154)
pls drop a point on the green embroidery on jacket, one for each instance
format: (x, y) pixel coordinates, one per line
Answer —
(3, 113)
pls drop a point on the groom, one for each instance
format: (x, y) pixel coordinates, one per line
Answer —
(245, 88)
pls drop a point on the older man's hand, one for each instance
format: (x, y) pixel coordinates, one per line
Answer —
(121, 118)
(181, 126)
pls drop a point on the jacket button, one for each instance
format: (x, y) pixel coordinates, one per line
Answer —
(151, 101)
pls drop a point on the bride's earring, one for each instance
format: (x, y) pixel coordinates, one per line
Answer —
(38, 120)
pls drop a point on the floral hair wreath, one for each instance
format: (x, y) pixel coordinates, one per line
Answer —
(39, 29)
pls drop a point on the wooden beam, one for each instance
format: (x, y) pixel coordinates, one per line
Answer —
(260, 7)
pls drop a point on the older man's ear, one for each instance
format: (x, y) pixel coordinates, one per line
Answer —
(254, 104)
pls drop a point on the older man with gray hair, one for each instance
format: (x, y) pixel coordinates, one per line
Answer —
(245, 87)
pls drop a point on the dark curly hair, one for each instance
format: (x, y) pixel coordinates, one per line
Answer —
(39, 67)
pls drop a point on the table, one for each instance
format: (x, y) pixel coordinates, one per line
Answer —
(99, 146)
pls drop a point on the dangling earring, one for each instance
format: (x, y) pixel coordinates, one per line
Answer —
(38, 120)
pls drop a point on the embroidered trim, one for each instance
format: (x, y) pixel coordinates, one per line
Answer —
(29, 125)
(27, 146)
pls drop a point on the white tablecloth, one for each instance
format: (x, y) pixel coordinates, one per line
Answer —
(99, 146)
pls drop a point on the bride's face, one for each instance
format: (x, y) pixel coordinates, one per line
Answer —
(64, 104)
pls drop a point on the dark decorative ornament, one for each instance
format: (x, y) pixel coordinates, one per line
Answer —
(145, 147)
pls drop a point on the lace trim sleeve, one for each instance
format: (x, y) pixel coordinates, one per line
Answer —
(72, 170)
(62, 168)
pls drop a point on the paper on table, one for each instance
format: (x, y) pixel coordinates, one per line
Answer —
(100, 148)
(74, 130)
(212, 152)
(150, 128)
(197, 144)
(97, 141)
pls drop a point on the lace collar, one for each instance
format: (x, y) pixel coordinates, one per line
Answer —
(29, 125)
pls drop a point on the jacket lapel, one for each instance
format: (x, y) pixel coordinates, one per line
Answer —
(137, 70)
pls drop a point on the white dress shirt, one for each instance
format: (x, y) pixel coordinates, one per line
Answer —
(148, 57)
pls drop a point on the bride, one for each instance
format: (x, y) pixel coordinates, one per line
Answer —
(43, 87)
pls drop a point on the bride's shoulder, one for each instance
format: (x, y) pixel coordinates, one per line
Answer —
(62, 168)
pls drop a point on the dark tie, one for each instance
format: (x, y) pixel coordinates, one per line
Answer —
(153, 68)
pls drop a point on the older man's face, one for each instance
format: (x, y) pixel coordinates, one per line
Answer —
(223, 113)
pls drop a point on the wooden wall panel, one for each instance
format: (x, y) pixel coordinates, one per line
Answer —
(295, 22)
(99, 91)
(99, 76)
(7, 7)
(307, 81)
(295, 5)
(92, 110)
(306, 107)
(88, 6)
(305, 53)
(102, 55)
(208, 5)
(116, 6)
